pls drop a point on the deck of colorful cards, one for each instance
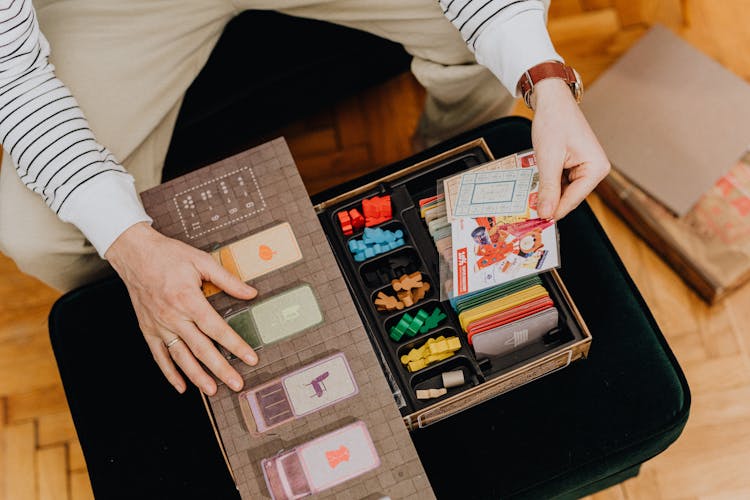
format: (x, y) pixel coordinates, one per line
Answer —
(492, 246)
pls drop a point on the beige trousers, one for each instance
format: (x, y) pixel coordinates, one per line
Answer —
(129, 64)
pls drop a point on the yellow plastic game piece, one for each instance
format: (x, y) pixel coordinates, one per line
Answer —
(417, 365)
(448, 345)
(435, 349)
(438, 357)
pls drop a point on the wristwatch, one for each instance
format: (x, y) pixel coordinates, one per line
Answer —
(550, 69)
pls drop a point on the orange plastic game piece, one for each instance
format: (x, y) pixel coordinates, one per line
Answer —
(418, 293)
(405, 297)
(407, 281)
(385, 302)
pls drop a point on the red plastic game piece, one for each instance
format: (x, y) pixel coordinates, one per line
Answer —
(377, 210)
(358, 222)
(346, 223)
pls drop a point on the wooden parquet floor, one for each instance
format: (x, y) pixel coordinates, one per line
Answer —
(40, 456)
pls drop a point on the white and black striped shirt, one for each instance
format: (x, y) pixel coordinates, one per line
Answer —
(57, 156)
(48, 138)
(507, 36)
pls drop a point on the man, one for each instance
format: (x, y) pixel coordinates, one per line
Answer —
(129, 64)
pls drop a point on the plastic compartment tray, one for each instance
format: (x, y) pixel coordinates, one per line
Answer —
(419, 254)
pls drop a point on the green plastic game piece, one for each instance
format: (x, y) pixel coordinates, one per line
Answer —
(433, 320)
(417, 323)
(398, 331)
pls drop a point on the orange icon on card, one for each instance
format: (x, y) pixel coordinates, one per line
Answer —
(265, 252)
(335, 457)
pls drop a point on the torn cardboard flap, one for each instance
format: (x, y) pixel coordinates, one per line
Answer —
(670, 118)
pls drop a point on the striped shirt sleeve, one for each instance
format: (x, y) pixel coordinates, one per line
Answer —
(507, 36)
(46, 134)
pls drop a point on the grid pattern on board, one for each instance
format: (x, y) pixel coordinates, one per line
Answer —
(271, 192)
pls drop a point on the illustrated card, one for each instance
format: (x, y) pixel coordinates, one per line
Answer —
(257, 254)
(297, 394)
(285, 314)
(266, 251)
(322, 463)
(495, 193)
(278, 317)
(525, 160)
(486, 254)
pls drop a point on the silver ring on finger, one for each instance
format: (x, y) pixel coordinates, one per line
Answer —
(173, 342)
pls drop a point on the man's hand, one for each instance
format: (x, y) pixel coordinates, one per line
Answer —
(570, 159)
(164, 277)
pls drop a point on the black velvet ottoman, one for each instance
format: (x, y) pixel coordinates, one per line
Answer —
(569, 434)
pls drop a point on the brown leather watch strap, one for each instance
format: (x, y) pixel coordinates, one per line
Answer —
(549, 69)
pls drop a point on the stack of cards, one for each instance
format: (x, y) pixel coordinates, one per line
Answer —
(492, 245)
(496, 233)
(503, 318)
(434, 213)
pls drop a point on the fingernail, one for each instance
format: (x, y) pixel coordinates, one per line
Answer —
(251, 359)
(180, 388)
(235, 384)
(252, 291)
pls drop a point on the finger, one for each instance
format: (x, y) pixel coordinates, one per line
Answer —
(575, 192)
(212, 271)
(205, 350)
(165, 363)
(184, 358)
(550, 163)
(213, 325)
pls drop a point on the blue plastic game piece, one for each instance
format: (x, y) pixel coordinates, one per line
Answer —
(375, 241)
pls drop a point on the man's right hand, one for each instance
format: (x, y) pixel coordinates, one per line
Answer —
(164, 278)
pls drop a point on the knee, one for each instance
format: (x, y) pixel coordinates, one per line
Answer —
(47, 258)
(29, 253)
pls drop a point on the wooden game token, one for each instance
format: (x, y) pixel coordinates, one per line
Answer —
(431, 393)
(454, 378)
